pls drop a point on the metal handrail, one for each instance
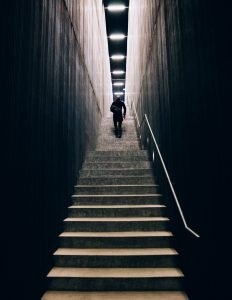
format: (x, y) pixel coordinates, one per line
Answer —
(166, 172)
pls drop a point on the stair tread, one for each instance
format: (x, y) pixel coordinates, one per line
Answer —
(121, 169)
(116, 195)
(116, 251)
(59, 295)
(138, 153)
(115, 185)
(117, 219)
(115, 272)
(118, 177)
(118, 206)
(117, 234)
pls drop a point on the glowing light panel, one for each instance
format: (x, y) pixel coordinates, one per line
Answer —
(118, 84)
(118, 57)
(118, 72)
(116, 7)
(118, 93)
(117, 36)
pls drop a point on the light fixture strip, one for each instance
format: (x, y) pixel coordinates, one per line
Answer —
(118, 72)
(118, 93)
(118, 84)
(116, 8)
(117, 57)
(117, 36)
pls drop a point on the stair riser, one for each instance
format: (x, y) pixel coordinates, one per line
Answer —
(110, 137)
(116, 190)
(107, 159)
(127, 121)
(114, 284)
(115, 226)
(116, 212)
(117, 141)
(116, 172)
(122, 180)
(116, 242)
(117, 165)
(156, 261)
(112, 200)
(118, 147)
(106, 124)
(129, 154)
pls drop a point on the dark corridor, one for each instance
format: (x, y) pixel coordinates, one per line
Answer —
(55, 89)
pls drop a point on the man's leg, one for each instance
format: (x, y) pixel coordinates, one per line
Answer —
(115, 125)
(119, 129)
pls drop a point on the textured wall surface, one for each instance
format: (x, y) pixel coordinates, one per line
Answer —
(176, 55)
(56, 88)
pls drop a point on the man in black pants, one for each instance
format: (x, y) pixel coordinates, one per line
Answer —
(116, 108)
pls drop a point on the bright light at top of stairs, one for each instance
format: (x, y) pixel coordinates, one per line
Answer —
(118, 72)
(116, 8)
(118, 84)
(117, 36)
(117, 57)
(118, 93)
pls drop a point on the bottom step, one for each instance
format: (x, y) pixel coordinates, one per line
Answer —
(56, 295)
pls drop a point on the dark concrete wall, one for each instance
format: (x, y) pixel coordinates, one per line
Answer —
(177, 75)
(56, 85)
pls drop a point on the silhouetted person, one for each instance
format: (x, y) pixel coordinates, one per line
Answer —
(116, 108)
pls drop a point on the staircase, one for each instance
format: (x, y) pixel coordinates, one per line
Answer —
(117, 242)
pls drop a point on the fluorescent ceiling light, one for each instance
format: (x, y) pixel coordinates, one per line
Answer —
(116, 7)
(118, 83)
(117, 57)
(118, 72)
(117, 36)
(119, 93)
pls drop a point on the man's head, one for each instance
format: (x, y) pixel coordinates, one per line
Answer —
(117, 99)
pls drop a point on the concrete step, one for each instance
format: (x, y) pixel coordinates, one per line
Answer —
(115, 257)
(123, 279)
(139, 154)
(110, 136)
(116, 199)
(116, 239)
(128, 132)
(59, 295)
(109, 124)
(116, 158)
(116, 211)
(126, 136)
(116, 224)
(126, 122)
(117, 147)
(116, 189)
(116, 172)
(109, 127)
(142, 153)
(117, 165)
(116, 180)
(114, 140)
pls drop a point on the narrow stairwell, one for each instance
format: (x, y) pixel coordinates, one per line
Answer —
(117, 242)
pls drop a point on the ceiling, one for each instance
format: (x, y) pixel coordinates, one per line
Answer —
(117, 22)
